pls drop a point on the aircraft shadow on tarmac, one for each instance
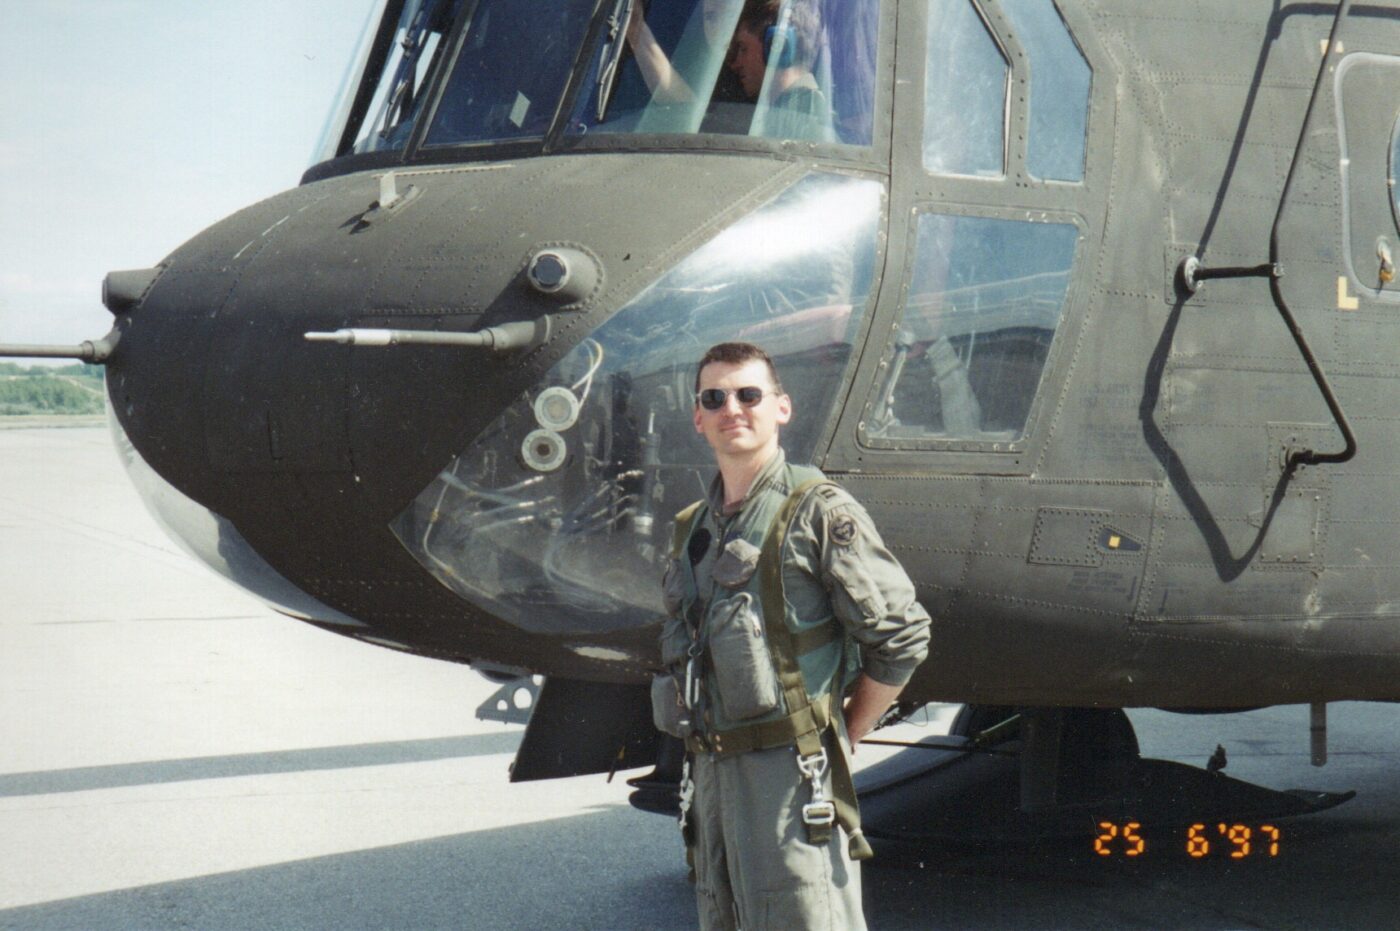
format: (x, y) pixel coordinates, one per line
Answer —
(256, 764)
(620, 869)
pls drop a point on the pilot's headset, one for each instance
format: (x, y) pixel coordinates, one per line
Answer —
(785, 37)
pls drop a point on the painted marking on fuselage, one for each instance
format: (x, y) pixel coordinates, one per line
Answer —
(277, 224)
(1345, 301)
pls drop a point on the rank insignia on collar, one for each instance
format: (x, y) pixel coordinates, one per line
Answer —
(843, 531)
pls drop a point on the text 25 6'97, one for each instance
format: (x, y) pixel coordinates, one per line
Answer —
(1217, 840)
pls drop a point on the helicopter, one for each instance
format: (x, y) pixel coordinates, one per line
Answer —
(1085, 301)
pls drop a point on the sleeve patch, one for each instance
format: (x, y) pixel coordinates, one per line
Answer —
(843, 530)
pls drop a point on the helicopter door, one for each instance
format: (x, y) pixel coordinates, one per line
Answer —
(988, 193)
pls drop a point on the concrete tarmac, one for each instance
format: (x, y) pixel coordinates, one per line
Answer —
(175, 755)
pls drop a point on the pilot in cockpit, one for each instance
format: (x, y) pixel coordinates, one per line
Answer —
(782, 38)
(737, 44)
(669, 86)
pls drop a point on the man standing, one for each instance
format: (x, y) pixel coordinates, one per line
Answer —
(783, 600)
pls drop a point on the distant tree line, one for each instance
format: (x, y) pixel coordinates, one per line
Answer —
(49, 389)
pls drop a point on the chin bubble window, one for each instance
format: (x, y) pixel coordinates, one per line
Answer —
(556, 517)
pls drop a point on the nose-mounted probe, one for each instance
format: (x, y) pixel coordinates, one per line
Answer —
(520, 334)
(121, 291)
(566, 274)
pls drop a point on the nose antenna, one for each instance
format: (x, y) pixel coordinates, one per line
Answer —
(121, 291)
(92, 351)
(521, 334)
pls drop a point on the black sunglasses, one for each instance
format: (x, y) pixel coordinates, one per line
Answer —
(712, 399)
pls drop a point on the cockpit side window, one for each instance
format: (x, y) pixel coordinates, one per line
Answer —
(1059, 80)
(965, 84)
(777, 69)
(985, 299)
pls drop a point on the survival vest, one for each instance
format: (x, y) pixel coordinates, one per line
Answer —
(807, 654)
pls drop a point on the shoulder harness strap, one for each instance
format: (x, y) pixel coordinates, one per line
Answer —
(685, 525)
(786, 647)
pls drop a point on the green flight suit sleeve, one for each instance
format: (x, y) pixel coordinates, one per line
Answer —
(869, 591)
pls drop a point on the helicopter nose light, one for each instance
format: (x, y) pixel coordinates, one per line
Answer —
(556, 408)
(123, 290)
(543, 450)
(567, 274)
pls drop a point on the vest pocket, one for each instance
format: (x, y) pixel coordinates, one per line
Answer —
(736, 564)
(739, 655)
(667, 712)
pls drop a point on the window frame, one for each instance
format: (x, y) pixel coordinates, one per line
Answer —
(1068, 314)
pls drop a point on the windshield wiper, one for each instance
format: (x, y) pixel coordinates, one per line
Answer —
(612, 53)
(398, 103)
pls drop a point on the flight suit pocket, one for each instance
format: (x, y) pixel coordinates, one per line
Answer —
(736, 564)
(667, 713)
(743, 667)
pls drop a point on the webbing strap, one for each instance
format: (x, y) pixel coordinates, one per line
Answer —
(785, 648)
(814, 638)
(685, 525)
(784, 732)
(780, 639)
(843, 791)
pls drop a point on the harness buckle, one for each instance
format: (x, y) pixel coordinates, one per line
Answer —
(819, 813)
(687, 792)
(692, 683)
(813, 767)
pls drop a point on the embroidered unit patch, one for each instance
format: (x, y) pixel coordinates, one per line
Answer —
(843, 531)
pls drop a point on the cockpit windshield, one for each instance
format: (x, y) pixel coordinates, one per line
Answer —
(511, 72)
(455, 72)
(782, 69)
(403, 81)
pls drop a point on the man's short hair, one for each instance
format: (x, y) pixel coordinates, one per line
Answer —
(737, 354)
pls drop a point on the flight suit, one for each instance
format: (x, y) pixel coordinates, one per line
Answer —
(849, 605)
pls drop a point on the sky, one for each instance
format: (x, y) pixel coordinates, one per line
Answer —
(127, 126)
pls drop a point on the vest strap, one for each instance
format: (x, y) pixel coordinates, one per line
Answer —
(810, 721)
(814, 638)
(685, 526)
(786, 647)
